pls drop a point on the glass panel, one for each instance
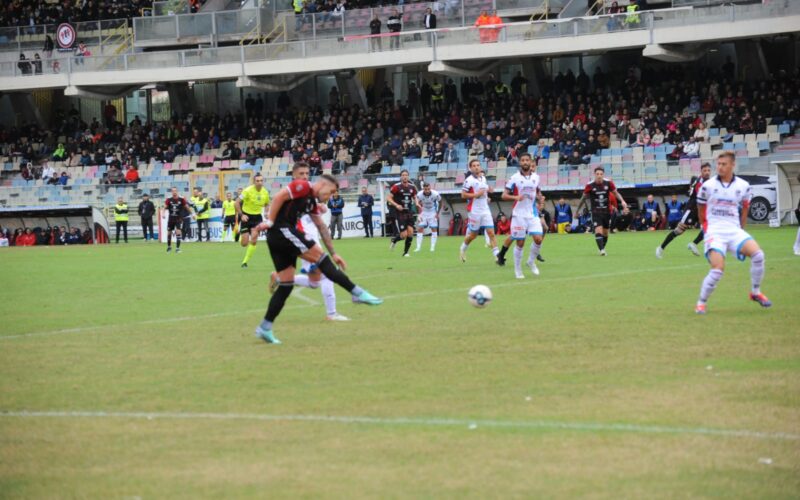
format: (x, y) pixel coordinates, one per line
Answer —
(155, 28)
(194, 25)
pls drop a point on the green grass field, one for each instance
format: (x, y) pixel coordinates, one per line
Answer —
(128, 372)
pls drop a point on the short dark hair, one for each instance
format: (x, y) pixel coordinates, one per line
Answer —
(600, 169)
(405, 171)
(257, 175)
(426, 184)
(329, 178)
(705, 164)
(525, 154)
(297, 166)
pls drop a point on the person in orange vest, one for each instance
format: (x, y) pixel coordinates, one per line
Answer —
(483, 33)
(496, 21)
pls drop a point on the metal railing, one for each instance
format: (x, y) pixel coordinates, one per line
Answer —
(422, 40)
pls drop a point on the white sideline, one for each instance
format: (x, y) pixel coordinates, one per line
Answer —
(399, 421)
(388, 297)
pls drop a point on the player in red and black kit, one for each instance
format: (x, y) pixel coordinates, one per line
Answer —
(600, 191)
(689, 218)
(286, 243)
(402, 201)
(176, 206)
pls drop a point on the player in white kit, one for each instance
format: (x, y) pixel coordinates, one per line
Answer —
(723, 203)
(431, 202)
(310, 277)
(523, 188)
(476, 191)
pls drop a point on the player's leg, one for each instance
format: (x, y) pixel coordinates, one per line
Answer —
(749, 248)
(545, 230)
(420, 235)
(501, 255)
(434, 237)
(519, 250)
(693, 245)
(252, 239)
(715, 251)
(170, 229)
(677, 231)
(325, 264)
(797, 242)
(409, 236)
(178, 237)
(598, 236)
(473, 227)
(536, 246)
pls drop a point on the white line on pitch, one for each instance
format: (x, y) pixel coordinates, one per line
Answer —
(388, 297)
(399, 421)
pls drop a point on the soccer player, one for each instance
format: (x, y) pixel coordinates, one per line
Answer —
(313, 226)
(176, 206)
(402, 200)
(476, 191)
(228, 217)
(286, 243)
(599, 192)
(249, 208)
(722, 205)
(689, 215)
(431, 203)
(523, 189)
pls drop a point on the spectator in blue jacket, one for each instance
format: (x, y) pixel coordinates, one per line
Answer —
(563, 216)
(336, 206)
(365, 203)
(652, 212)
(674, 210)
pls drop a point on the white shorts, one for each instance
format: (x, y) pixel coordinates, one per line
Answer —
(726, 240)
(476, 222)
(428, 220)
(312, 235)
(521, 227)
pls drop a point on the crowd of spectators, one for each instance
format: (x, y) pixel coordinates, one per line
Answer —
(494, 121)
(28, 13)
(43, 236)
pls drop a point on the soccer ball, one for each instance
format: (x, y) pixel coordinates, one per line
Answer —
(480, 295)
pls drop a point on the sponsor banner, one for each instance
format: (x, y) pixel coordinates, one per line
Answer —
(352, 223)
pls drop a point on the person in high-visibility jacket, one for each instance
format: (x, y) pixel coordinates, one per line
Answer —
(632, 19)
(484, 33)
(121, 218)
(203, 210)
(228, 218)
(497, 22)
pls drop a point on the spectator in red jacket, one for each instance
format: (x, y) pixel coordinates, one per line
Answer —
(26, 239)
(132, 175)
(503, 224)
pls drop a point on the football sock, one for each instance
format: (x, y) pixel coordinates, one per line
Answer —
(329, 296)
(419, 241)
(495, 251)
(535, 249)
(797, 240)
(408, 244)
(169, 239)
(396, 238)
(757, 271)
(670, 236)
(486, 237)
(177, 241)
(709, 284)
(601, 244)
(502, 253)
(248, 253)
(605, 241)
(304, 281)
(464, 247)
(325, 264)
(277, 302)
(236, 236)
(699, 237)
(435, 236)
(518, 259)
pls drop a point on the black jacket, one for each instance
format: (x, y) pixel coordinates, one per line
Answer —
(146, 209)
(429, 21)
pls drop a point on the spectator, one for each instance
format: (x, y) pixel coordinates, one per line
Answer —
(652, 213)
(395, 158)
(26, 239)
(24, 65)
(74, 237)
(394, 24)
(691, 149)
(132, 175)
(376, 43)
(59, 154)
(484, 34)
(48, 173)
(343, 160)
(563, 216)
(429, 23)
(37, 64)
(4, 242)
(503, 224)
(701, 134)
(115, 176)
(674, 210)
(365, 203)
(363, 164)
(336, 206)
(146, 211)
(476, 149)
(47, 49)
(81, 52)
(63, 179)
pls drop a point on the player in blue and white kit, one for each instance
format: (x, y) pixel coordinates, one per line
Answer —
(523, 188)
(723, 203)
(476, 191)
(431, 203)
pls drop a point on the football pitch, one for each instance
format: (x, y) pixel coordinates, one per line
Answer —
(128, 372)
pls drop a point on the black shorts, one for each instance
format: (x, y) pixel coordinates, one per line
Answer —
(404, 220)
(229, 220)
(174, 222)
(601, 219)
(252, 221)
(689, 218)
(286, 244)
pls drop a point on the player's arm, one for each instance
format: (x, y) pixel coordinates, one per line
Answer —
(393, 203)
(621, 201)
(327, 240)
(239, 214)
(745, 210)
(274, 209)
(508, 196)
(581, 203)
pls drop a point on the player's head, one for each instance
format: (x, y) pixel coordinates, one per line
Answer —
(426, 188)
(325, 186)
(404, 176)
(650, 198)
(599, 173)
(475, 167)
(705, 171)
(174, 192)
(258, 181)
(301, 171)
(525, 162)
(726, 162)
(228, 196)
